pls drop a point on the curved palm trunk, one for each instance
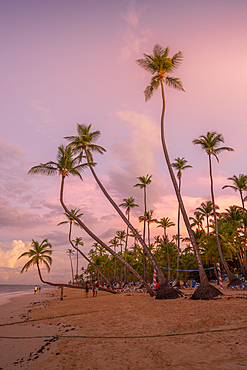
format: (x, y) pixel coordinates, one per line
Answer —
(87, 259)
(69, 285)
(160, 275)
(203, 277)
(98, 240)
(230, 275)
(178, 251)
(144, 232)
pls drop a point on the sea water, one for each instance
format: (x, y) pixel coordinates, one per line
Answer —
(10, 291)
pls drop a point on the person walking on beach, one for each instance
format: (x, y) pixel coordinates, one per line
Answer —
(93, 288)
(96, 287)
(87, 289)
(35, 289)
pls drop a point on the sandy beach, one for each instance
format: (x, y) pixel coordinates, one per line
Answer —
(125, 331)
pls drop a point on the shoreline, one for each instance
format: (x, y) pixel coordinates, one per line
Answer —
(125, 331)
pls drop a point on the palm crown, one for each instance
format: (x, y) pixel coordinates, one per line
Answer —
(84, 143)
(128, 204)
(180, 165)
(160, 65)
(210, 143)
(144, 181)
(38, 254)
(66, 164)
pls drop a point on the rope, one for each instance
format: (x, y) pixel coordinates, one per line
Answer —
(167, 268)
(128, 336)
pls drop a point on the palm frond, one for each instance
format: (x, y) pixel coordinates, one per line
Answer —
(148, 92)
(174, 82)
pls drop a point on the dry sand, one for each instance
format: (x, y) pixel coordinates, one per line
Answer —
(126, 331)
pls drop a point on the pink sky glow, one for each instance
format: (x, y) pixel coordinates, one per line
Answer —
(67, 62)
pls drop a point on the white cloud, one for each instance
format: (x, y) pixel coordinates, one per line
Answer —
(10, 251)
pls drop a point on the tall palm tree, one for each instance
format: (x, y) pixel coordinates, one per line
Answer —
(144, 181)
(85, 143)
(121, 236)
(211, 144)
(128, 204)
(70, 252)
(180, 164)
(160, 65)
(114, 242)
(71, 221)
(148, 218)
(165, 223)
(206, 210)
(239, 184)
(78, 241)
(65, 166)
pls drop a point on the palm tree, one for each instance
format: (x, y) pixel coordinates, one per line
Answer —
(121, 236)
(85, 143)
(128, 204)
(165, 223)
(39, 254)
(78, 241)
(114, 243)
(148, 217)
(197, 220)
(70, 253)
(71, 221)
(160, 65)
(239, 184)
(211, 144)
(180, 164)
(206, 210)
(67, 165)
(144, 181)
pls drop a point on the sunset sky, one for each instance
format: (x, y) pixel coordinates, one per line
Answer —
(67, 62)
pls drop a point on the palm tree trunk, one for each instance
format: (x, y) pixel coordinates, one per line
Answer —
(168, 258)
(149, 244)
(77, 266)
(98, 240)
(144, 231)
(178, 244)
(72, 272)
(115, 265)
(230, 275)
(160, 275)
(203, 277)
(87, 259)
(125, 251)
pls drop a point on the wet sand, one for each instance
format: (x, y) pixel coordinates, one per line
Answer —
(125, 331)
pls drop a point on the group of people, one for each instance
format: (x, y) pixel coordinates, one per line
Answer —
(95, 288)
(37, 289)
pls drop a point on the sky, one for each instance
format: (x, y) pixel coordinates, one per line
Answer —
(67, 62)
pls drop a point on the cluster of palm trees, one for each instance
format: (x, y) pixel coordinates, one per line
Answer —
(75, 157)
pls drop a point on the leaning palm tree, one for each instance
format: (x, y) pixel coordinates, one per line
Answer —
(144, 181)
(65, 166)
(165, 223)
(70, 252)
(239, 184)
(180, 164)
(211, 144)
(84, 143)
(128, 204)
(160, 65)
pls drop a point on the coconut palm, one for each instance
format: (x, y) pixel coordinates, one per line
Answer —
(121, 236)
(206, 210)
(85, 143)
(78, 241)
(160, 65)
(114, 242)
(180, 164)
(39, 254)
(165, 223)
(144, 181)
(148, 218)
(71, 221)
(197, 221)
(128, 204)
(239, 184)
(65, 166)
(211, 144)
(70, 252)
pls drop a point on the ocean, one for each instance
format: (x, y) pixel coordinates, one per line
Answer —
(9, 291)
